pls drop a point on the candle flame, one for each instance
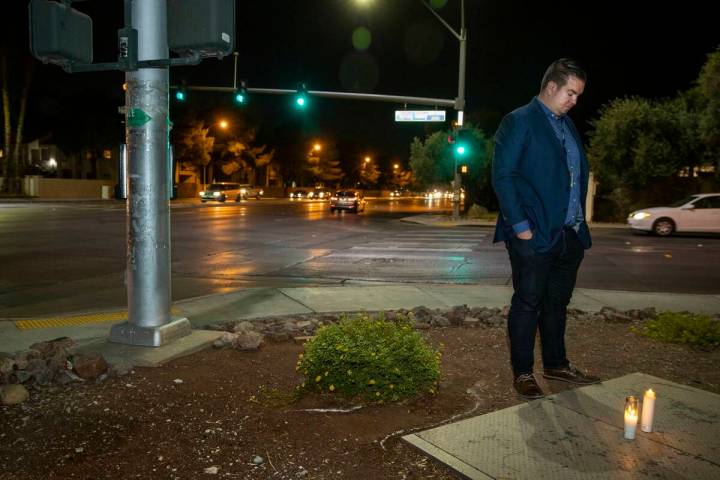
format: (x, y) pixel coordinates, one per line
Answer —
(650, 393)
(631, 411)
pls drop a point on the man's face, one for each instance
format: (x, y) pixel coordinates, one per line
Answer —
(562, 99)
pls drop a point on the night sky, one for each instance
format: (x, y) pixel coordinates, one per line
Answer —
(627, 48)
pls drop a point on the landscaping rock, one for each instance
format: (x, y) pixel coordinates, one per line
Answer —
(243, 327)
(13, 394)
(249, 340)
(89, 365)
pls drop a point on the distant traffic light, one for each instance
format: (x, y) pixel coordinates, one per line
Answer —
(240, 96)
(180, 95)
(301, 97)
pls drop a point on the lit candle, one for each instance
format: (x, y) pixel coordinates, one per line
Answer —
(648, 410)
(631, 417)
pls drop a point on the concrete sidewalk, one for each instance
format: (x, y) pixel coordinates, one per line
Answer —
(91, 329)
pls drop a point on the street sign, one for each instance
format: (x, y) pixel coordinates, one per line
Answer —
(419, 115)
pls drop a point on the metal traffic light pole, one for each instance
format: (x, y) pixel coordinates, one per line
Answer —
(460, 100)
(148, 219)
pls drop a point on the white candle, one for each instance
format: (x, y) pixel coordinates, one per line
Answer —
(648, 410)
(631, 417)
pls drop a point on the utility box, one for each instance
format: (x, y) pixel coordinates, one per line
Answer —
(60, 34)
(205, 27)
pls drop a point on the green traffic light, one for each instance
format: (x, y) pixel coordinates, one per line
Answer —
(180, 95)
(460, 150)
(239, 98)
(300, 101)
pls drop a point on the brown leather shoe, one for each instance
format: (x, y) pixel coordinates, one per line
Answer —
(570, 374)
(526, 385)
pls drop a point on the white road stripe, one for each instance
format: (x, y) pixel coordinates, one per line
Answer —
(399, 255)
(415, 249)
(446, 245)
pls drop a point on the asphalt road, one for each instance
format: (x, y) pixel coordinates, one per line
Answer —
(66, 257)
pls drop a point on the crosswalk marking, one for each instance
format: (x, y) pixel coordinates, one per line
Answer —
(415, 249)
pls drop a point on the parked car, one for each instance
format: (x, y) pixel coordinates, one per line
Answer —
(696, 213)
(220, 192)
(298, 194)
(350, 200)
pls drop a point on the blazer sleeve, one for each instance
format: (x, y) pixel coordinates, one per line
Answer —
(509, 145)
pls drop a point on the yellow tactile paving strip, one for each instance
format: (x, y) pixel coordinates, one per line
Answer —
(74, 320)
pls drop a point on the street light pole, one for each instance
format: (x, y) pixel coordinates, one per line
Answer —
(460, 99)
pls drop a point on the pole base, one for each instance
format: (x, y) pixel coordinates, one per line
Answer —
(131, 334)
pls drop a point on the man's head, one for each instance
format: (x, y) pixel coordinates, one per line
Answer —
(562, 84)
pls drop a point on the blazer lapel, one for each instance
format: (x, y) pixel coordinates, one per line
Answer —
(542, 123)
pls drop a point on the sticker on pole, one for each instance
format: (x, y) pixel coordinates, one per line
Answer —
(137, 117)
(419, 115)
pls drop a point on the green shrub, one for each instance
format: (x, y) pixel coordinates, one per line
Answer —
(478, 212)
(372, 358)
(690, 328)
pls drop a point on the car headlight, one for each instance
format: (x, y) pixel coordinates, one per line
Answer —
(243, 191)
(202, 193)
(216, 194)
(640, 215)
(262, 192)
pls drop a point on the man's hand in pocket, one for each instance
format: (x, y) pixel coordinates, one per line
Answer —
(526, 235)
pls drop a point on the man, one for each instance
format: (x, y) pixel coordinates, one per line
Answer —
(540, 176)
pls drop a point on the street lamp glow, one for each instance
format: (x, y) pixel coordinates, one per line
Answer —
(223, 124)
(396, 166)
(317, 147)
(367, 159)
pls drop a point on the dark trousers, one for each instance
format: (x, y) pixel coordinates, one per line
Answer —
(543, 284)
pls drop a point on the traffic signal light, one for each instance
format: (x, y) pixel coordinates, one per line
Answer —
(463, 142)
(180, 95)
(301, 98)
(240, 95)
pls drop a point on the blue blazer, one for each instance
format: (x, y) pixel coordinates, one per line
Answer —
(531, 179)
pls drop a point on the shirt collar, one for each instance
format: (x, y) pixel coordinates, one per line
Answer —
(548, 112)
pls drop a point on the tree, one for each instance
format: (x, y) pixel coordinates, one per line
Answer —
(262, 158)
(401, 178)
(708, 91)
(421, 165)
(324, 165)
(369, 173)
(635, 140)
(11, 170)
(193, 146)
(231, 157)
(433, 161)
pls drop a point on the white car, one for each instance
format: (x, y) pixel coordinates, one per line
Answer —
(696, 213)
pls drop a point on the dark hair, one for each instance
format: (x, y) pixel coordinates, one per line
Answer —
(560, 70)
